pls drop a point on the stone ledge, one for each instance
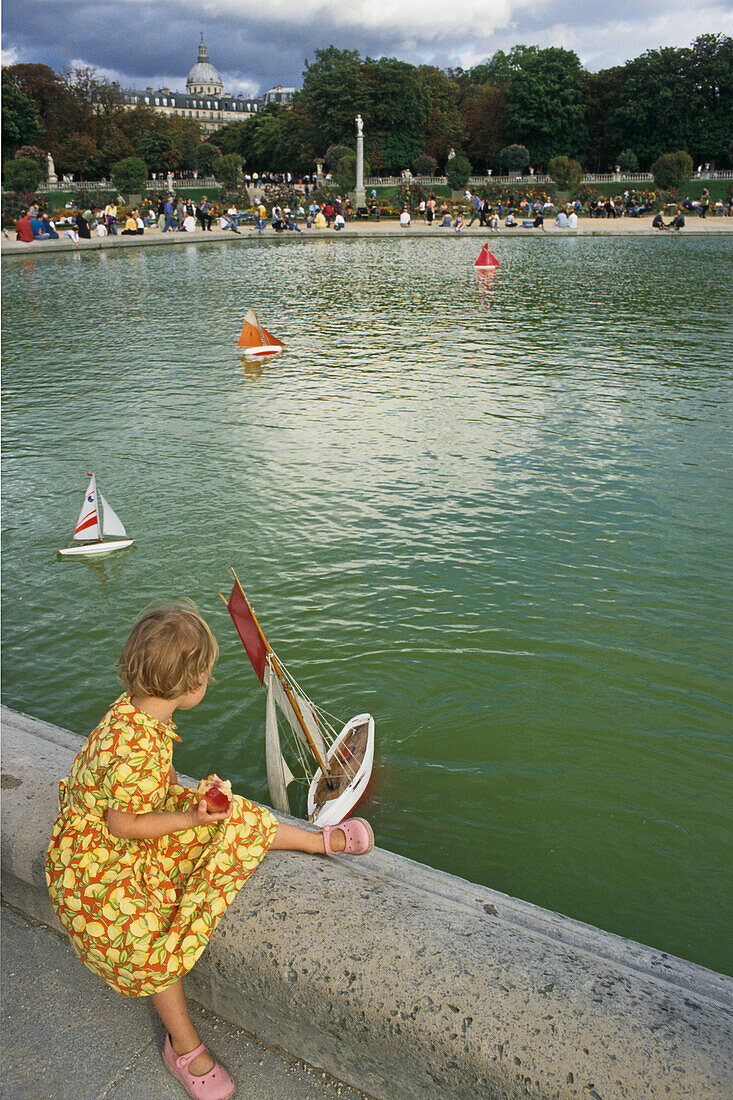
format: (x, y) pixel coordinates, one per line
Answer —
(407, 982)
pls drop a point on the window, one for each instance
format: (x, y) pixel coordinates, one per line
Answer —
(147, 99)
(157, 102)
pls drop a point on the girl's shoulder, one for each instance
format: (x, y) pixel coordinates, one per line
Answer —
(125, 725)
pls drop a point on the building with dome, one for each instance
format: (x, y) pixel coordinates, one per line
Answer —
(204, 100)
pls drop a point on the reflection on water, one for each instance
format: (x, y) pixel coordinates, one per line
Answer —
(493, 511)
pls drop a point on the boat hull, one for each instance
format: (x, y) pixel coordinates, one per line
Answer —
(336, 809)
(260, 352)
(95, 549)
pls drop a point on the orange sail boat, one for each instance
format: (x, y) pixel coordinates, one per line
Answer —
(486, 260)
(255, 339)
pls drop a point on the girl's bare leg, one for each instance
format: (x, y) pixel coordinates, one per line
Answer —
(302, 840)
(170, 1004)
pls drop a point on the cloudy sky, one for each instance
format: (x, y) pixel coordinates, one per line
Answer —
(257, 45)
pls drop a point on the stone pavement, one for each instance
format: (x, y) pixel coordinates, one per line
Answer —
(67, 1036)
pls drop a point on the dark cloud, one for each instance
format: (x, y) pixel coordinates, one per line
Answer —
(146, 43)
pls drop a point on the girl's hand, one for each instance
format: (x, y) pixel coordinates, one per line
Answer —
(203, 815)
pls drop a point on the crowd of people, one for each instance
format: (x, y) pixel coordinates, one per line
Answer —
(181, 214)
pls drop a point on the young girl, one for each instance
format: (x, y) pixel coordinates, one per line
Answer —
(139, 871)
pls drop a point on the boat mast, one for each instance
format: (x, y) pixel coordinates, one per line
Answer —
(277, 669)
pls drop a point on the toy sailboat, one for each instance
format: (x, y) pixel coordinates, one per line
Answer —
(256, 340)
(88, 526)
(337, 767)
(486, 261)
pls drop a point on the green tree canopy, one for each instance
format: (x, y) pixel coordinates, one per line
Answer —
(20, 117)
(229, 171)
(515, 158)
(22, 174)
(457, 170)
(566, 173)
(334, 92)
(130, 176)
(672, 170)
(544, 104)
(444, 126)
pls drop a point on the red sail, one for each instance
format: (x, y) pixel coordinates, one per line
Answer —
(248, 630)
(486, 258)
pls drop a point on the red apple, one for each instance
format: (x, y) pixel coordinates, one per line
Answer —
(217, 792)
(217, 800)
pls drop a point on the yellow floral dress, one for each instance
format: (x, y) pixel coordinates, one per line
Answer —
(140, 912)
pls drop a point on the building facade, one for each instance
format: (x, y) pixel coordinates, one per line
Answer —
(204, 100)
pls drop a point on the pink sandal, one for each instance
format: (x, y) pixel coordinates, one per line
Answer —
(217, 1084)
(358, 834)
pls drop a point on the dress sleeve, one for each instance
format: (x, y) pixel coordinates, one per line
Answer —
(135, 780)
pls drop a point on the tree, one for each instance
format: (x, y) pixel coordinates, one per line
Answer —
(600, 94)
(566, 173)
(334, 154)
(34, 152)
(544, 104)
(334, 92)
(20, 117)
(672, 170)
(206, 156)
(398, 113)
(444, 125)
(483, 114)
(229, 171)
(22, 174)
(628, 161)
(425, 165)
(346, 172)
(514, 158)
(130, 175)
(458, 169)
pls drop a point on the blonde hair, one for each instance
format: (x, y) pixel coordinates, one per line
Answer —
(170, 652)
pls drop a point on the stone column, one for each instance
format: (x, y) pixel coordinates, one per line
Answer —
(359, 197)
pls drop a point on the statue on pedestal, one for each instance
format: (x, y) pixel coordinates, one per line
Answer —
(359, 126)
(51, 176)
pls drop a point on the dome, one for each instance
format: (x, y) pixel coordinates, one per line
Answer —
(203, 75)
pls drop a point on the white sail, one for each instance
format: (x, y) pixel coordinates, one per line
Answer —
(111, 522)
(278, 773)
(308, 717)
(87, 525)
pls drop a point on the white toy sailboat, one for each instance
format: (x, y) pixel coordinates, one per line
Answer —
(336, 766)
(255, 339)
(89, 527)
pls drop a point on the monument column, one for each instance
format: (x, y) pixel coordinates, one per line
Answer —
(360, 197)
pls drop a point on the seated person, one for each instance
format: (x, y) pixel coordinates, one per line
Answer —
(319, 221)
(561, 221)
(509, 221)
(572, 220)
(658, 222)
(459, 222)
(101, 229)
(226, 221)
(139, 221)
(23, 228)
(276, 221)
(374, 210)
(678, 222)
(446, 222)
(130, 229)
(49, 226)
(189, 224)
(405, 219)
(494, 221)
(39, 233)
(338, 222)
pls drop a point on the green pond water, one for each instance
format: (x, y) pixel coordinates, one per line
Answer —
(496, 514)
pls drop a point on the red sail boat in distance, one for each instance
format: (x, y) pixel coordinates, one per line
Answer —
(255, 339)
(486, 261)
(336, 766)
